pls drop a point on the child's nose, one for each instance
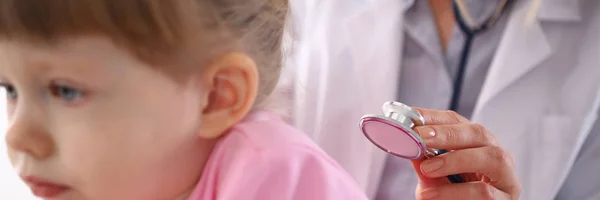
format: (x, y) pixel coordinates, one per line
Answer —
(24, 136)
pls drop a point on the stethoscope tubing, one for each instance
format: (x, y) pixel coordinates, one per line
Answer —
(470, 34)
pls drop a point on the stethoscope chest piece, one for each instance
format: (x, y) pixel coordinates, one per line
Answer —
(393, 131)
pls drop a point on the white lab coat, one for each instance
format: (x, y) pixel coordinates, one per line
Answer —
(540, 98)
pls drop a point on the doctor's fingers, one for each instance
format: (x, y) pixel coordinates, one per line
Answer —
(464, 191)
(439, 117)
(456, 136)
(493, 163)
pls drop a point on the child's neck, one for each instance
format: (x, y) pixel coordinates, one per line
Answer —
(185, 195)
(207, 146)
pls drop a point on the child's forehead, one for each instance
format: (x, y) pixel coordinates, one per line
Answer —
(67, 45)
(85, 47)
(74, 54)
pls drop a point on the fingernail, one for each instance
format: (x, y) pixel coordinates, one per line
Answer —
(429, 194)
(431, 165)
(426, 132)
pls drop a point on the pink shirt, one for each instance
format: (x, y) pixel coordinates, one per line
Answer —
(263, 158)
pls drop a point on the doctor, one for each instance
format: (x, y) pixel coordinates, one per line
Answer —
(532, 78)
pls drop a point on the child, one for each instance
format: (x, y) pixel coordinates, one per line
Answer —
(154, 100)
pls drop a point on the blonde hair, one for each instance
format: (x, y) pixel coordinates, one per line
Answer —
(160, 31)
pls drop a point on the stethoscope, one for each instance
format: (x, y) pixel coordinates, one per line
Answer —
(470, 29)
(393, 131)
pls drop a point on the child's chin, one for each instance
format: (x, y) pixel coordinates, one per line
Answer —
(54, 195)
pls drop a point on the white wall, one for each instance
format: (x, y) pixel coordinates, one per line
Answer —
(11, 188)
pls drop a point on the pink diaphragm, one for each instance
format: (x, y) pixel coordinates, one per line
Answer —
(392, 132)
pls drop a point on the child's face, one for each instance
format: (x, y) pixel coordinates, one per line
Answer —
(89, 116)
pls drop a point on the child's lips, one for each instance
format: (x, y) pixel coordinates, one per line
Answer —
(44, 188)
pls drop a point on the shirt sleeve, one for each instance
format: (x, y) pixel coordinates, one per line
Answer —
(294, 173)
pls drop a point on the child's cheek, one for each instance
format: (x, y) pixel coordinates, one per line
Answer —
(115, 152)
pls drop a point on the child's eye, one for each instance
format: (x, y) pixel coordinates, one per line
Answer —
(66, 93)
(11, 91)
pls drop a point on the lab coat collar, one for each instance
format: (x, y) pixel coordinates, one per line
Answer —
(524, 45)
(557, 10)
(560, 10)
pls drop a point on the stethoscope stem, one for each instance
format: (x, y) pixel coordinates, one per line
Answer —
(464, 55)
(470, 34)
(458, 82)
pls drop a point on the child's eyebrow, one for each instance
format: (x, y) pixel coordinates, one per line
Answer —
(84, 55)
(90, 75)
(45, 58)
(87, 67)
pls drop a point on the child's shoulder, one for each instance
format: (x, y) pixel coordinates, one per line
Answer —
(265, 135)
(264, 158)
(263, 130)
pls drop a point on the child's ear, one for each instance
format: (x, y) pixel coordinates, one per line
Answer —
(232, 83)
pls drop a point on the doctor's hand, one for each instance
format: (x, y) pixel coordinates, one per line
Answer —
(487, 168)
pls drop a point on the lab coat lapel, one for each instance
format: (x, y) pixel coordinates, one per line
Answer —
(524, 44)
(524, 47)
